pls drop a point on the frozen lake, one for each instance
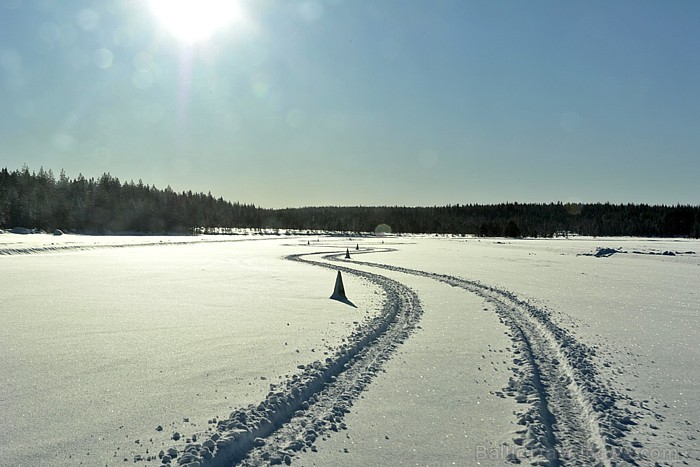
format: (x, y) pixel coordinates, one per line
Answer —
(458, 350)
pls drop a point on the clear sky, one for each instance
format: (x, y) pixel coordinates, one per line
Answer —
(360, 102)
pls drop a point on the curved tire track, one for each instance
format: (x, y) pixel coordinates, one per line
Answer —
(572, 417)
(71, 248)
(298, 411)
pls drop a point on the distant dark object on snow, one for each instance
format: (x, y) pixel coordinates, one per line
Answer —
(605, 252)
(357, 247)
(20, 230)
(58, 232)
(664, 253)
(347, 255)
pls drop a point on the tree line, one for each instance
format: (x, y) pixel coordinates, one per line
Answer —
(102, 205)
(506, 219)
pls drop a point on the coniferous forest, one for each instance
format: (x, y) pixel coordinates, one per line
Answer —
(106, 205)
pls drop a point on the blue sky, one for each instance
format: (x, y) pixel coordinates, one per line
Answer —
(297, 103)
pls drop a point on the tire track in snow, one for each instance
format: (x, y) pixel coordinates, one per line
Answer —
(40, 249)
(572, 417)
(298, 411)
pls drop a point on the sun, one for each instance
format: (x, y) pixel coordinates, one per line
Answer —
(195, 20)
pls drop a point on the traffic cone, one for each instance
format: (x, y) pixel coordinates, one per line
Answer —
(339, 291)
(347, 253)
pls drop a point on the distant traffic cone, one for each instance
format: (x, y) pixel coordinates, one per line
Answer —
(357, 247)
(339, 291)
(347, 253)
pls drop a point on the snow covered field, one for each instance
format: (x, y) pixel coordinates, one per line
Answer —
(451, 351)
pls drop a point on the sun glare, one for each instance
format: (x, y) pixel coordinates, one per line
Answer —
(195, 20)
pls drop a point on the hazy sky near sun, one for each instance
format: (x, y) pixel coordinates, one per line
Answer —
(351, 102)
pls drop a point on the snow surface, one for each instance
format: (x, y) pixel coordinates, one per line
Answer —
(101, 346)
(457, 351)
